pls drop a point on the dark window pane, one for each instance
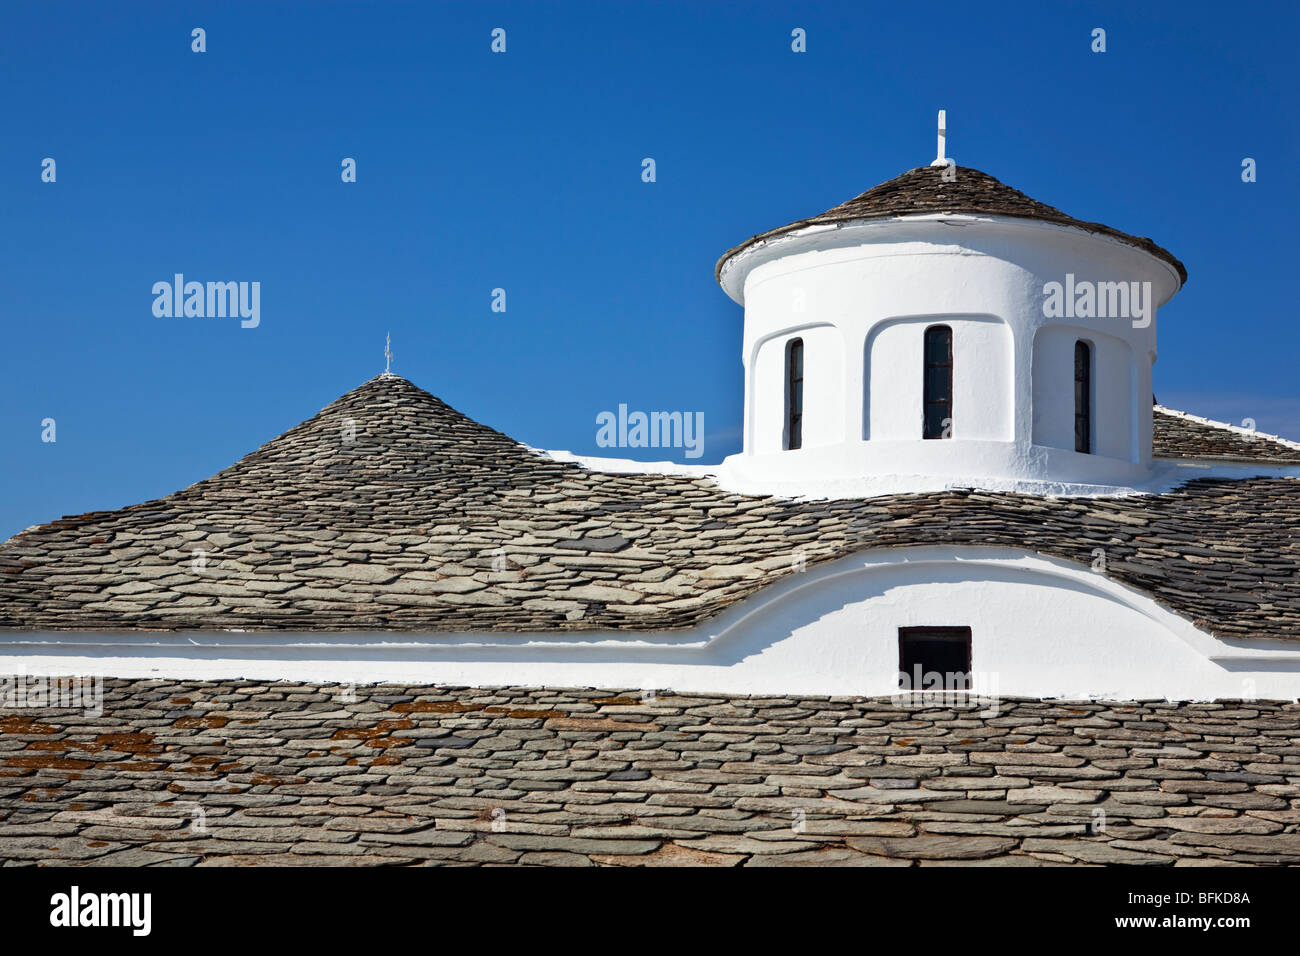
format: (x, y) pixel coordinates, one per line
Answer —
(794, 394)
(1083, 397)
(938, 346)
(937, 399)
(938, 385)
(936, 420)
(934, 657)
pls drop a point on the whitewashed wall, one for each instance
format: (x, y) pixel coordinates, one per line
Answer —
(864, 292)
(982, 378)
(1114, 404)
(1040, 627)
(823, 387)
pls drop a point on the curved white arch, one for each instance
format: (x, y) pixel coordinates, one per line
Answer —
(932, 558)
(828, 630)
(891, 377)
(824, 368)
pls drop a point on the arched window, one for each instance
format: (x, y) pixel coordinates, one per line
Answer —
(1083, 397)
(938, 382)
(794, 394)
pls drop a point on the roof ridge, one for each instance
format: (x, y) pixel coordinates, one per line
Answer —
(1227, 426)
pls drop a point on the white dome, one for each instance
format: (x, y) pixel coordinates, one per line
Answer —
(838, 311)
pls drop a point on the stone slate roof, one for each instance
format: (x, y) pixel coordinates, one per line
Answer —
(923, 191)
(427, 520)
(1176, 435)
(239, 773)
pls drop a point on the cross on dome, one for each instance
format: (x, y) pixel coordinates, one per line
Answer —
(941, 159)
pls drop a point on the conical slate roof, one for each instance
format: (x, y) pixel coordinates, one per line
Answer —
(924, 191)
(384, 452)
(389, 510)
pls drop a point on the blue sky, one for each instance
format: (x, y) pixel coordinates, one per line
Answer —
(522, 171)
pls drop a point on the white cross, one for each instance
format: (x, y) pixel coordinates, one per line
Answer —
(388, 353)
(941, 159)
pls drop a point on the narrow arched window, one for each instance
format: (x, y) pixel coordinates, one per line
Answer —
(794, 394)
(1083, 397)
(938, 382)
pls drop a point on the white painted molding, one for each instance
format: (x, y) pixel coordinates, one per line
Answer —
(1167, 474)
(803, 634)
(852, 232)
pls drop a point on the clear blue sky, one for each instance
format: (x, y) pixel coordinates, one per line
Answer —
(522, 171)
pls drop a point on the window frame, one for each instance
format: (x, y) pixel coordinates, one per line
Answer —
(792, 439)
(1084, 441)
(962, 632)
(926, 400)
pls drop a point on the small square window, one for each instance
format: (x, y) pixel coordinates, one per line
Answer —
(934, 658)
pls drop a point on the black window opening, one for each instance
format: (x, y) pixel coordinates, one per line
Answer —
(934, 658)
(1083, 397)
(794, 394)
(938, 382)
